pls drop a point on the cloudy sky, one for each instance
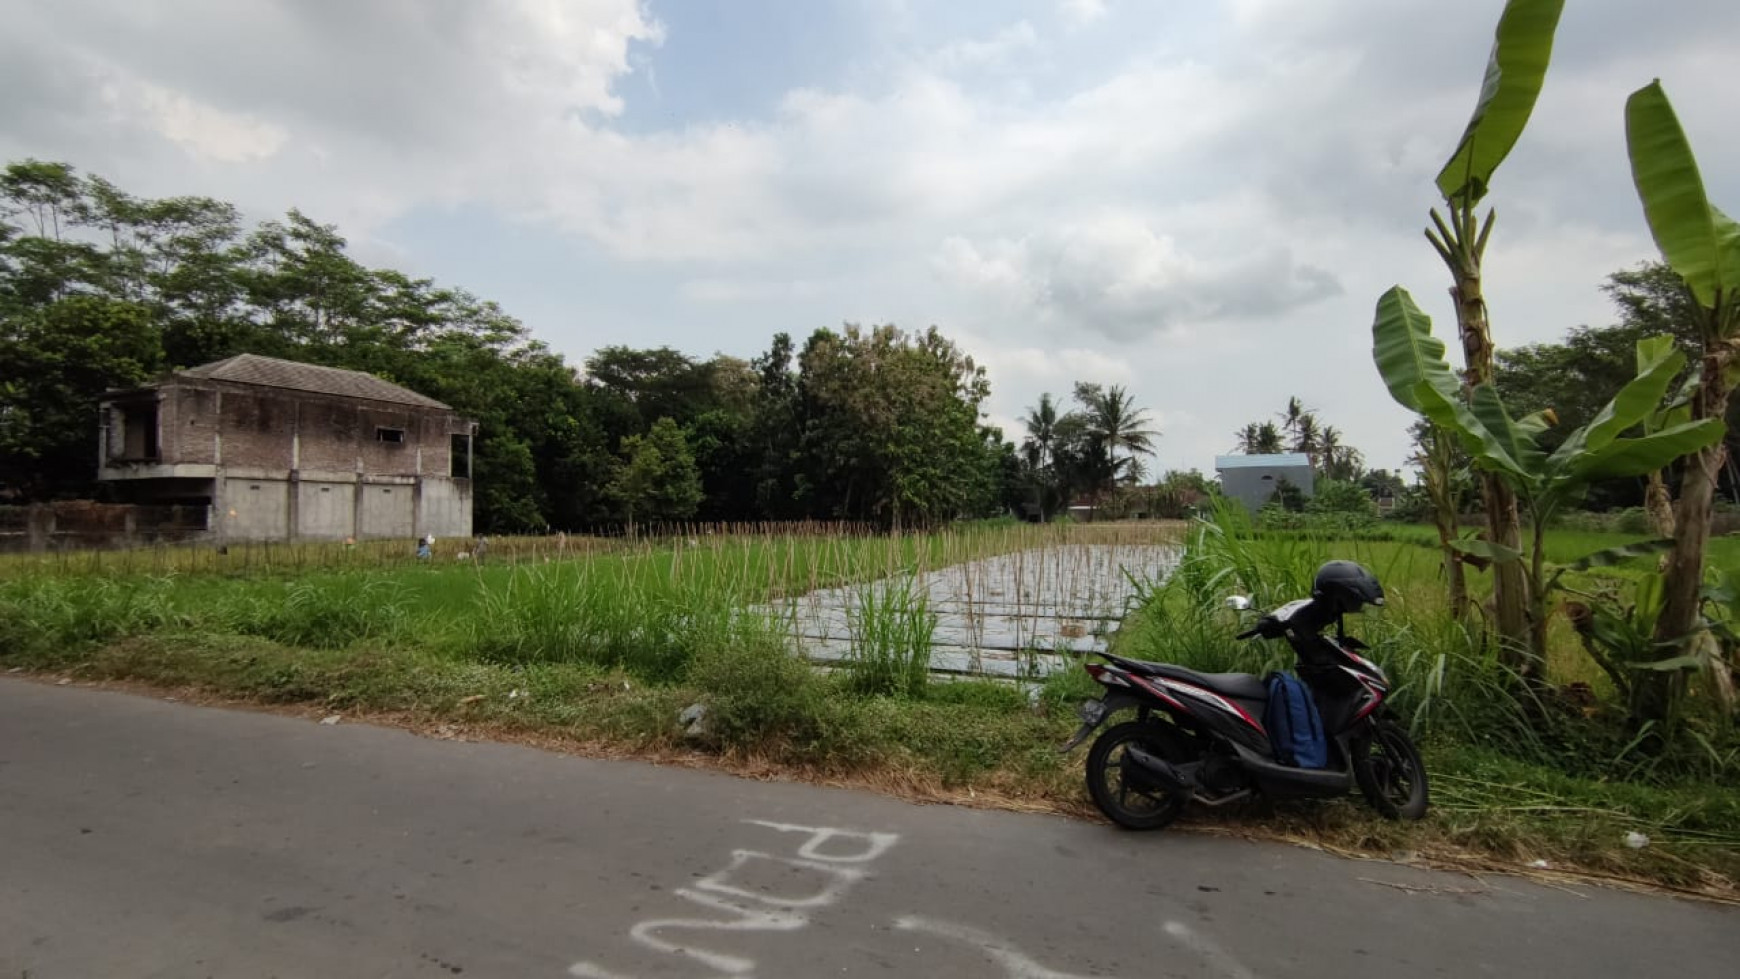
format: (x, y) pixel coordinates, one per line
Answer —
(1201, 201)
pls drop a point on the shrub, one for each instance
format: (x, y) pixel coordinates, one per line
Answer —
(762, 696)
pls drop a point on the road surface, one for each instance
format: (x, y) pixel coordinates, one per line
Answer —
(142, 838)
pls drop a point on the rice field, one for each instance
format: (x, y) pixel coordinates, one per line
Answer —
(645, 605)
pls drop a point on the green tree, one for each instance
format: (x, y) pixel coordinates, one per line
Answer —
(1515, 72)
(1114, 421)
(59, 359)
(1702, 245)
(657, 480)
(1412, 363)
(1259, 438)
(1038, 453)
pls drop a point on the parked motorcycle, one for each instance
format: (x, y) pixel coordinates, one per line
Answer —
(1202, 736)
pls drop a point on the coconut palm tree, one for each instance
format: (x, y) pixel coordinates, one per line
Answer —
(1040, 449)
(1341, 462)
(1116, 423)
(1307, 436)
(1258, 438)
(1041, 424)
(1294, 413)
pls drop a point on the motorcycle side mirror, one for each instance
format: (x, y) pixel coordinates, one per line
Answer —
(1238, 602)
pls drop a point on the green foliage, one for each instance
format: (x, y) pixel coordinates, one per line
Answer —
(760, 694)
(1336, 496)
(1301, 431)
(1448, 684)
(1077, 454)
(60, 357)
(1514, 75)
(1700, 242)
(888, 429)
(1411, 362)
(891, 625)
(101, 290)
(657, 480)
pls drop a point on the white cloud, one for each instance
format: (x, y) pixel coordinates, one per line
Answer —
(1079, 13)
(203, 131)
(726, 290)
(992, 51)
(1117, 276)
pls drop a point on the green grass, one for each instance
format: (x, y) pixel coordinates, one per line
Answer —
(609, 645)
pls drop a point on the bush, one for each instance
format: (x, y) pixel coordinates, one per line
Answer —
(762, 696)
(1336, 496)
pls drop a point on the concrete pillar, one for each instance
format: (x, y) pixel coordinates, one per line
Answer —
(293, 506)
(39, 527)
(356, 503)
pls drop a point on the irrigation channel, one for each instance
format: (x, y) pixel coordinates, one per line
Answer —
(1022, 615)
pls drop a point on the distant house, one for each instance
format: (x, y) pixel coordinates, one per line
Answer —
(280, 450)
(1252, 479)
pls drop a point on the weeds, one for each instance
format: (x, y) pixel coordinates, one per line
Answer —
(891, 625)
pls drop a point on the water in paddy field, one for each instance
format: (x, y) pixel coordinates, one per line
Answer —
(1013, 615)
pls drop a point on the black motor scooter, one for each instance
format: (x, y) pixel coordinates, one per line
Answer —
(1201, 737)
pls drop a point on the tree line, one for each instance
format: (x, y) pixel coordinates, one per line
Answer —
(100, 289)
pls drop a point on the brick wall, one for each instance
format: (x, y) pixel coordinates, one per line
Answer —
(256, 430)
(190, 427)
(259, 427)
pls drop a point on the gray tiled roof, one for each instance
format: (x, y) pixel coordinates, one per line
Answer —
(297, 376)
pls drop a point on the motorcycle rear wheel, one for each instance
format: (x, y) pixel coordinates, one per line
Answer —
(1120, 790)
(1388, 769)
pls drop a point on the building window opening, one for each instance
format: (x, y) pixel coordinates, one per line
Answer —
(139, 432)
(394, 435)
(460, 457)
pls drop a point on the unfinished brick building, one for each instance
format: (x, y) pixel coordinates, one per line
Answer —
(281, 450)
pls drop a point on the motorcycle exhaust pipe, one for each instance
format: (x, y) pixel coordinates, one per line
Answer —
(1161, 771)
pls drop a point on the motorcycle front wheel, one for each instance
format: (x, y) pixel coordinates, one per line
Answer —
(1388, 769)
(1120, 790)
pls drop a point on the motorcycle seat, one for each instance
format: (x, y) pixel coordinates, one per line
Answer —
(1241, 685)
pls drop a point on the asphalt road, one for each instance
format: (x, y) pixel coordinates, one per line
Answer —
(141, 838)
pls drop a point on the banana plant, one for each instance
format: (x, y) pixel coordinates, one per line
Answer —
(1412, 363)
(1702, 246)
(1515, 72)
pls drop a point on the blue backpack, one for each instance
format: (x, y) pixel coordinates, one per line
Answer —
(1295, 729)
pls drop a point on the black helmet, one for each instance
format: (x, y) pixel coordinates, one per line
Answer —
(1344, 586)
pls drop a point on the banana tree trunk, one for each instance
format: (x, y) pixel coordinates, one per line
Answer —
(1517, 648)
(1658, 503)
(1657, 692)
(1436, 462)
(1454, 576)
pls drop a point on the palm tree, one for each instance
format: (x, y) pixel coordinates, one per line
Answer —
(1266, 440)
(1257, 438)
(1040, 449)
(1116, 423)
(1341, 462)
(1245, 440)
(1294, 414)
(1307, 438)
(1041, 424)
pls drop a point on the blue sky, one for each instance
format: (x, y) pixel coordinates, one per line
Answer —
(1200, 201)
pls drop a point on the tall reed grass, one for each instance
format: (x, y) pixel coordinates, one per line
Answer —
(891, 626)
